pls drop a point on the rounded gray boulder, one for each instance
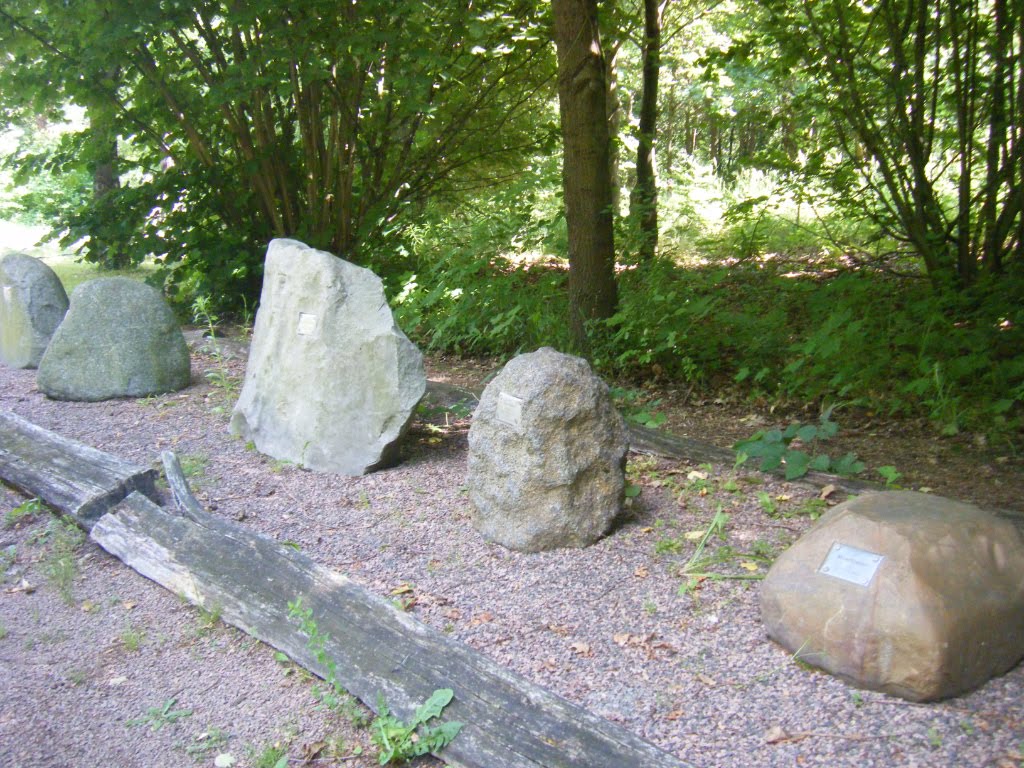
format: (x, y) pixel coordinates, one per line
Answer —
(118, 339)
(32, 304)
(547, 454)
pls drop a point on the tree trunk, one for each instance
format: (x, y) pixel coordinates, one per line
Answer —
(614, 107)
(586, 178)
(644, 201)
(105, 250)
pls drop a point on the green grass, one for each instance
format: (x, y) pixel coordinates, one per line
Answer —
(60, 563)
(73, 273)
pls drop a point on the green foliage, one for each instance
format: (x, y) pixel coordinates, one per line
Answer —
(637, 407)
(157, 717)
(696, 569)
(473, 305)
(334, 698)
(400, 742)
(272, 756)
(60, 562)
(775, 448)
(24, 511)
(397, 741)
(239, 123)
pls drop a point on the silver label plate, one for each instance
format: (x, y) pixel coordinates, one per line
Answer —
(509, 410)
(857, 566)
(307, 324)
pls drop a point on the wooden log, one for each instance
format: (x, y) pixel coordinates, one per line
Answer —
(78, 480)
(508, 722)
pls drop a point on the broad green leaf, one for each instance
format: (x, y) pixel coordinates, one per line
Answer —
(820, 463)
(807, 433)
(433, 706)
(796, 464)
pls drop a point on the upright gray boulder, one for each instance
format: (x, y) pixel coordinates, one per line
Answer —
(911, 594)
(332, 381)
(32, 304)
(547, 453)
(118, 339)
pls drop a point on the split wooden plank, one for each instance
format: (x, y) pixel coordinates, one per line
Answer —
(379, 651)
(76, 479)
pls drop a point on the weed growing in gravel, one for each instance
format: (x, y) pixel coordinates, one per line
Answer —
(193, 466)
(205, 743)
(23, 511)
(60, 563)
(77, 677)
(934, 737)
(400, 742)
(221, 376)
(3, 631)
(768, 505)
(334, 697)
(208, 619)
(8, 557)
(157, 717)
(695, 571)
(132, 638)
(271, 756)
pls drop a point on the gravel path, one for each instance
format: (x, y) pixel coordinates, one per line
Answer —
(605, 626)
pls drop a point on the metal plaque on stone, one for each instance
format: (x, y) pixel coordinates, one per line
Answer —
(509, 410)
(307, 324)
(857, 566)
(8, 293)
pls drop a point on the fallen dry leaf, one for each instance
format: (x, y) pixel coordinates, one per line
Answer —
(749, 565)
(560, 629)
(402, 589)
(582, 649)
(675, 714)
(827, 491)
(481, 618)
(453, 613)
(641, 572)
(708, 681)
(311, 752)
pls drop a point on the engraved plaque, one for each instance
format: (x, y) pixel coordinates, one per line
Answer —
(857, 566)
(8, 293)
(307, 324)
(509, 410)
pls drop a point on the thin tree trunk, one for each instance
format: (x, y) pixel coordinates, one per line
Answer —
(585, 171)
(644, 201)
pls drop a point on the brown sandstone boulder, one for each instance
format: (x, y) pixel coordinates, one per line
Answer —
(911, 594)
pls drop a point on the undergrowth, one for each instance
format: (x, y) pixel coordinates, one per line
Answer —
(771, 332)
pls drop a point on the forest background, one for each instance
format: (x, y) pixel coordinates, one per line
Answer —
(814, 201)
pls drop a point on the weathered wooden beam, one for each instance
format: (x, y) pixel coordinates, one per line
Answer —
(80, 481)
(379, 651)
